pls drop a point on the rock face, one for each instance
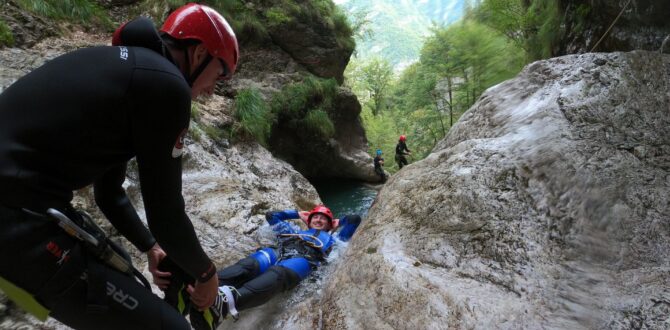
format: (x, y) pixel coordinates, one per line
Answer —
(308, 45)
(546, 206)
(342, 156)
(314, 46)
(644, 24)
(27, 29)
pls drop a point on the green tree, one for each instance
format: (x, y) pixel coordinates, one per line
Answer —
(375, 76)
(533, 25)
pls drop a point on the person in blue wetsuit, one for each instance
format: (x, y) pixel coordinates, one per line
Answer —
(255, 279)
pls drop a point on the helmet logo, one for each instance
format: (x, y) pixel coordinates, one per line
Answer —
(178, 149)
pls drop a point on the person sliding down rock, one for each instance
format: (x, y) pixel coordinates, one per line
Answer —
(255, 279)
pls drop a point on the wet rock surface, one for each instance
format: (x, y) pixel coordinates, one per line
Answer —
(635, 24)
(545, 207)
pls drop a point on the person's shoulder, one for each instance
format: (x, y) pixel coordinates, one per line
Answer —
(158, 71)
(147, 59)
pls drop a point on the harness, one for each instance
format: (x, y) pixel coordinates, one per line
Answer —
(305, 244)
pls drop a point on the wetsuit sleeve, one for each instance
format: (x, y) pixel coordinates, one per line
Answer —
(115, 205)
(159, 120)
(276, 220)
(348, 226)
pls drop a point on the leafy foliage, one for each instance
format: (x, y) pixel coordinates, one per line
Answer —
(318, 123)
(374, 77)
(80, 11)
(303, 106)
(457, 64)
(382, 134)
(253, 23)
(296, 99)
(533, 25)
(195, 112)
(6, 36)
(253, 115)
(214, 133)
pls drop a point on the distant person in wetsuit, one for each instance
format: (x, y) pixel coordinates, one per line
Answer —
(77, 120)
(255, 279)
(401, 151)
(379, 162)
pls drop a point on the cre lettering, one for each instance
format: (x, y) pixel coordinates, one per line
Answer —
(120, 297)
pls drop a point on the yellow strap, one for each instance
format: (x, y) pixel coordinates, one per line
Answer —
(209, 318)
(181, 304)
(24, 300)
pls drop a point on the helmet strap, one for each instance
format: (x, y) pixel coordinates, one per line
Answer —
(191, 79)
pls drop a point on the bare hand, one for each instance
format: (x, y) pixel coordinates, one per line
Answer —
(203, 294)
(154, 257)
(303, 215)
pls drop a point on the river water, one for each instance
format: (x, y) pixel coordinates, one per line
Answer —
(346, 197)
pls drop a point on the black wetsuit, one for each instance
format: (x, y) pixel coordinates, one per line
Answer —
(76, 121)
(400, 151)
(378, 167)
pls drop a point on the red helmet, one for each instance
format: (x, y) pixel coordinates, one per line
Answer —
(320, 209)
(195, 21)
(403, 138)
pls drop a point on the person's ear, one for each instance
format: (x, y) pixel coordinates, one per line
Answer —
(198, 54)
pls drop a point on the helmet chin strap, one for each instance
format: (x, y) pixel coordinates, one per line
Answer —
(191, 79)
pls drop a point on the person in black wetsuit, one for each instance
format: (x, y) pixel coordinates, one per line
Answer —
(77, 120)
(379, 162)
(401, 151)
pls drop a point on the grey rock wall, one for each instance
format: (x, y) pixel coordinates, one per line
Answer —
(545, 207)
(635, 24)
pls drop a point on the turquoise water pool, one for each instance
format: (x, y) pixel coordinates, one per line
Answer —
(346, 197)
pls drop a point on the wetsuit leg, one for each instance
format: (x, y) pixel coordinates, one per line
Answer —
(381, 174)
(247, 268)
(402, 161)
(51, 265)
(129, 306)
(398, 160)
(175, 294)
(277, 279)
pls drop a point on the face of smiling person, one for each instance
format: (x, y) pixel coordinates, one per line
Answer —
(319, 221)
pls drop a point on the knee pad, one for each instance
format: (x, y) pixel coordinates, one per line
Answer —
(265, 257)
(299, 266)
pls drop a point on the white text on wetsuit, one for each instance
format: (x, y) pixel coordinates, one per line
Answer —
(124, 53)
(119, 296)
